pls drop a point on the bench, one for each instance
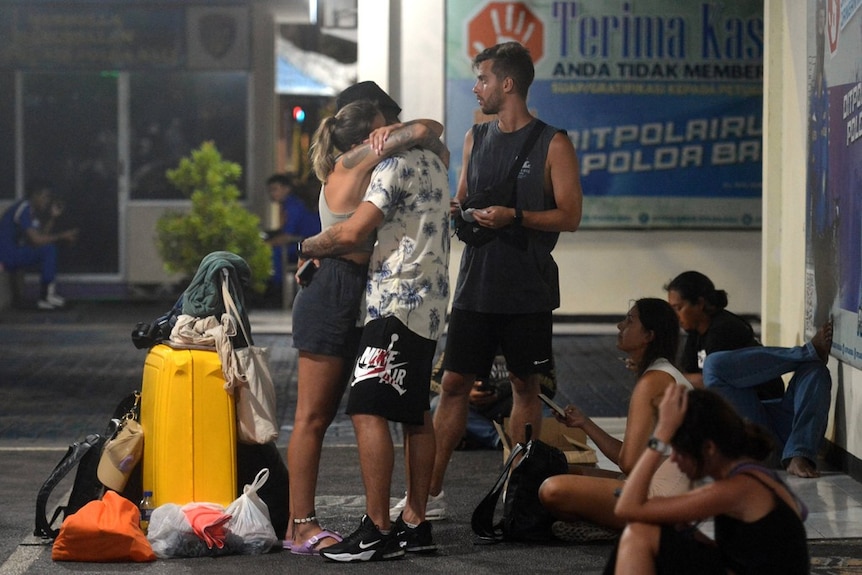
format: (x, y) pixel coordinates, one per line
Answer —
(11, 287)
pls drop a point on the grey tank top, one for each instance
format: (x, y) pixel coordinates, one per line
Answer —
(329, 218)
(500, 277)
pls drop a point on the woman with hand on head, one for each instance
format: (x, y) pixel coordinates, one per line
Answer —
(758, 519)
(326, 314)
(649, 335)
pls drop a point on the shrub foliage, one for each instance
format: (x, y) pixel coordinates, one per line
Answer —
(217, 220)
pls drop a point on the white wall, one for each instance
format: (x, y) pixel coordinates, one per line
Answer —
(601, 272)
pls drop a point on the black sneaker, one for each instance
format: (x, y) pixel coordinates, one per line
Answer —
(365, 544)
(414, 539)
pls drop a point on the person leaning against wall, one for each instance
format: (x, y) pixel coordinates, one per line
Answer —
(722, 347)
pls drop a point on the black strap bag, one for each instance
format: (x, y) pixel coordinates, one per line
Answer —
(503, 194)
(524, 517)
(84, 456)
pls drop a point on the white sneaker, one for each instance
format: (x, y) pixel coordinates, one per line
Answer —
(53, 298)
(434, 511)
(46, 305)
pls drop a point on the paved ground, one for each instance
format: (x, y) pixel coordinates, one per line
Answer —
(62, 373)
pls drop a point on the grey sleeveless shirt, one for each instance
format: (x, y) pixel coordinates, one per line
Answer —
(329, 218)
(501, 277)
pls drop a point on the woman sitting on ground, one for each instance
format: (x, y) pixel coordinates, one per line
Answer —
(649, 334)
(758, 520)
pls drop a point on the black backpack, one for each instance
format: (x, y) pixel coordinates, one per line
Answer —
(85, 455)
(524, 517)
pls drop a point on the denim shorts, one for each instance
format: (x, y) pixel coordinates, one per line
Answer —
(326, 312)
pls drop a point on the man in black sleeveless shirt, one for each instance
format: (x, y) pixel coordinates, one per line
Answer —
(507, 290)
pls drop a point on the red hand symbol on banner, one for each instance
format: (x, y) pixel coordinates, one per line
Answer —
(501, 22)
(833, 19)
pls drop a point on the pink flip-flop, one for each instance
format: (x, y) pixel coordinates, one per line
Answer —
(287, 544)
(308, 548)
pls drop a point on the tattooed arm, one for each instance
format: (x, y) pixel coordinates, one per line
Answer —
(392, 139)
(345, 236)
(347, 182)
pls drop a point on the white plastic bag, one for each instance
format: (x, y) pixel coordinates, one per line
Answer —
(171, 535)
(250, 519)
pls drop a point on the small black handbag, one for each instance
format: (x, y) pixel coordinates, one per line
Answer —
(502, 194)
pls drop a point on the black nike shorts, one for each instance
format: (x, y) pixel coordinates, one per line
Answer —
(525, 339)
(392, 374)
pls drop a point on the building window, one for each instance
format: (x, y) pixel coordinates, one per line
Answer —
(172, 113)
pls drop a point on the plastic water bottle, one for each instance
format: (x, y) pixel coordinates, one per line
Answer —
(146, 508)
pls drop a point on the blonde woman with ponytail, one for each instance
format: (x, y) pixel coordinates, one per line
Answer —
(345, 149)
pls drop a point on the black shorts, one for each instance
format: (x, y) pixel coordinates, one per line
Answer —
(525, 340)
(392, 374)
(680, 554)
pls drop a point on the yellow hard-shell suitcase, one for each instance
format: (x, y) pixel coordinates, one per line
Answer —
(189, 423)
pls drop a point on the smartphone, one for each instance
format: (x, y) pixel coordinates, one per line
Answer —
(483, 385)
(550, 403)
(306, 272)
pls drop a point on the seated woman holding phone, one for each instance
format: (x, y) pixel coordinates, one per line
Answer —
(584, 504)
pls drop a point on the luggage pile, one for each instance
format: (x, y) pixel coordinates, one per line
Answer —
(212, 494)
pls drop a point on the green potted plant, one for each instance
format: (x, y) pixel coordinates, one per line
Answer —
(217, 220)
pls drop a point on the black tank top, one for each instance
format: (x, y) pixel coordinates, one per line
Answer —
(774, 544)
(500, 277)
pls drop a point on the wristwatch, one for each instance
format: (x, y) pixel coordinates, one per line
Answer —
(299, 253)
(519, 217)
(658, 445)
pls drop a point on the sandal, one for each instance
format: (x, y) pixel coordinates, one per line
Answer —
(287, 544)
(583, 532)
(308, 548)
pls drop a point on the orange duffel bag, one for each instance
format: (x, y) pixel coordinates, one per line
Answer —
(105, 530)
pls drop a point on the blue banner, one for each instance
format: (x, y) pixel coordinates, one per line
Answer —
(662, 101)
(833, 258)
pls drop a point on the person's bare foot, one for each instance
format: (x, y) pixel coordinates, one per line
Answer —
(822, 341)
(802, 467)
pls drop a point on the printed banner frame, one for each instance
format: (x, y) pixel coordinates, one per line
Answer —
(662, 100)
(833, 255)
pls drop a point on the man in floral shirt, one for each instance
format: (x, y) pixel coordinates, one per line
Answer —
(407, 203)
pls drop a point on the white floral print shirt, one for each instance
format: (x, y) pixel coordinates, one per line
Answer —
(408, 276)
